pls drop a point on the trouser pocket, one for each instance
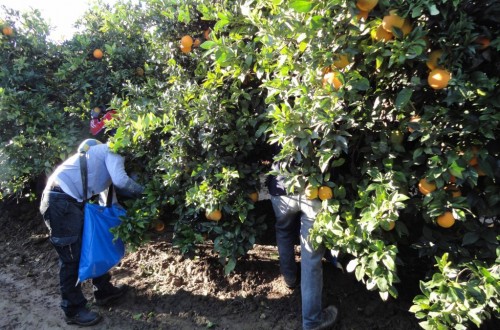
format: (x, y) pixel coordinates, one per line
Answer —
(68, 248)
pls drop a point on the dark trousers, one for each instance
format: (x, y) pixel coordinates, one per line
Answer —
(63, 215)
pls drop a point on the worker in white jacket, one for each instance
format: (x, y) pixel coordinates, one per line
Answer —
(62, 210)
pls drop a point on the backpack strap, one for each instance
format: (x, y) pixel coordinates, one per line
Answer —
(109, 199)
(83, 170)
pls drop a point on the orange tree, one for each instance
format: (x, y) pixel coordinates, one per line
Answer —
(48, 89)
(196, 135)
(35, 131)
(394, 107)
(351, 98)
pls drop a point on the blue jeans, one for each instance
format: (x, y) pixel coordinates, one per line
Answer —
(63, 215)
(289, 212)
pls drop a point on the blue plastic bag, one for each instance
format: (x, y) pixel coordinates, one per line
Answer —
(100, 252)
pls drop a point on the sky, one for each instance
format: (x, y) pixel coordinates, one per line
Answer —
(60, 14)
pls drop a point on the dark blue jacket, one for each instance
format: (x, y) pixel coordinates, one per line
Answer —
(276, 184)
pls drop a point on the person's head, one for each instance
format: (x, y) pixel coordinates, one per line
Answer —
(87, 144)
(99, 116)
(98, 112)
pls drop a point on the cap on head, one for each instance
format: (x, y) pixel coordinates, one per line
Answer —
(85, 145)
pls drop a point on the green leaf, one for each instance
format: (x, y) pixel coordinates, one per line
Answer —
(403, 98)
(470, 238)
(231, 263)
(301, 6)
(389, 263)
(208, 44)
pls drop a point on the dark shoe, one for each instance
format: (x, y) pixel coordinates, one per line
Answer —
(328, 318)
(291, 283)
(104, 297)
(83, 317)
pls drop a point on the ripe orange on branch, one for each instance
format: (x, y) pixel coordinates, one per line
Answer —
(433, 59)
(206, 34)
(159, 226)
(215, 215)
(332, 79)
(439, 78)
(186, 41)
(254, 196)
(454, 190)
(185, 50)
(366, 5)
(7, 31)
(407, 27)
(362, 15)
(392, 20)
(97, 53)
(483, 42)
(446, 220)
(325, 192)
(382, 35)
(426, 187)
(341, 62)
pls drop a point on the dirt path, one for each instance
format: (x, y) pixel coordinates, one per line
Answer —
(170, 291)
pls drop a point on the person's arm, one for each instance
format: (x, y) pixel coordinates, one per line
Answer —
(116, 168)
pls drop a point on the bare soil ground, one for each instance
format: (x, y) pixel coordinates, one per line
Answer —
(169, 291)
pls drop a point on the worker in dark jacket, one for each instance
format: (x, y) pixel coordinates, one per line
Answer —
(297, 212)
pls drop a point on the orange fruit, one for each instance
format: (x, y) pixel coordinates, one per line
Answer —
(407, 27)
(325, 192)
(186, 41)
(454, 190)
(392, 20)
(159, 226)
(433, 59)
(206, 34)
(413, 119)
(389, 225)
(446, 220)
(382, 35)
(366, 5)
(311, 192)
(483, 42)
(331, 78)
(474, 161)
(362, 15)
(98, 53)
(7, 31)
(479, 170)
(325, 70)
(439, 78)
(185, 50)
(196, 42)
(215, 215)
(426, 187)
(341, 62)
(453, 179)
(254, 196)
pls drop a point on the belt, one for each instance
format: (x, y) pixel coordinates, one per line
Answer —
(56, 188)
(59, 193)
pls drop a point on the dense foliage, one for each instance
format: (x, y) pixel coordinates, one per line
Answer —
(395, 108)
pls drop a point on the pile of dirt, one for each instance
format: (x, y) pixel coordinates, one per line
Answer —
(170, 291)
